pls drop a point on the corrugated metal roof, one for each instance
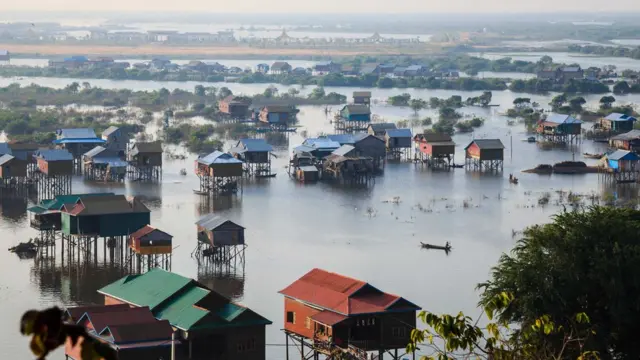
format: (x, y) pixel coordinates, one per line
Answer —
(562, 119)
(105, 205)
(433, 138)
(382, 126)
(54, 155)
(415, 67)
(279, 108)
(148, 289)
(157, 330)
(309, 168)
(342, 139)
(622, 155)
(620, 117)
(218, 157)
(180, 310)
(81, 133)
(110, 130)
(136, 315)
(321, 143)
(94, 152)
(328, 318)
(212, 221)
(4, 148)
(255, 145)
(631, 135)
(146, 147)
(571, 68)
(76, 312)
(230, 311)
(114, 162)
(341, 294)
(343, 150)
(300, 149)
(362, 93)
(5, 159)
(358, 109)
(79, 141)
(399, 133)
(487, 144)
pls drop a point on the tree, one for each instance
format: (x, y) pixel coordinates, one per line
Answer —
(293, 92)
(86, 86)
(584, 261)
(270, 92)
(621, 87)
(317, 93)
(576, 104)
(606, 102)
(199, 90)
(558, 101)
(449, 113)
(417, 105)
(522, 102)
(223, 92)
(485, 98)
(163, 93)
(546, 60)
(73, 87)
(399, 100)
(385, 83)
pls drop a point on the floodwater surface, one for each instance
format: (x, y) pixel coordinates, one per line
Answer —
(292, 228)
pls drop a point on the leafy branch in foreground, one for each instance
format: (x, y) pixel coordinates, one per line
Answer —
(454, 337)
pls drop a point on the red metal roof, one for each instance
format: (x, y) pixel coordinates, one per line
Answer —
(142, 232)
(137, 315)
(134, 333)
(77, 311)
(340, 294)
(74, 210)
(328, 318)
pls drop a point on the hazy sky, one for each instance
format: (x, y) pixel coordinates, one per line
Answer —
(257, 6)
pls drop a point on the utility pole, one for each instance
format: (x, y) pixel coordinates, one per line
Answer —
(173, 345)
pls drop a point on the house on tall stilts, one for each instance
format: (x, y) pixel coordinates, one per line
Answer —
(103, 164)
(53, 172)
(353, 118)
(484, 155)
(219, 173)
(435, 150)
(77, 142)
(620, 166)
(145, 161)
(207, 325)
(560, 128)
(255, 155)
(326, 313)
(398, 143)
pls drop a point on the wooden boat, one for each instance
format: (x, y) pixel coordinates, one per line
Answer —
(261, 176)
(593, 156)
(28, 247)
(457, 166)
(531, 139)
(198, 192)
(446, 247)
(513, 179)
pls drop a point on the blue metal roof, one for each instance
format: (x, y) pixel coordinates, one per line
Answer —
(111, 161)
(303, 149)
(54, 155)
(218, 157)
(399, 133)
(415, 67)
(257, 145)
(620, 117)
(79, 141)
(94, 152)
(321, 143)
(623, 155)
(343, 150)
(562, 119)
(5, 159)
(343, 139)
(5, 149)
(83, 133)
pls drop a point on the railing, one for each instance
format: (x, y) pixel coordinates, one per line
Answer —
(42, 225)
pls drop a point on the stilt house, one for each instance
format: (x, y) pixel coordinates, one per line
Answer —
(12, 167)
(115, 140)
(397, 139)
(332, 312)
(54, 162)
(485, 154)
(235, 106)
(77, 141)
(132, 332)
(207, 324)
(435, 148)
(380, 129)
(47, 214)
(627, 141)
(362, 98)
(617, 123)
(146, 154)
(219, 232)
(560, 128)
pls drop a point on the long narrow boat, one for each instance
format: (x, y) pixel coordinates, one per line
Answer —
(593, 156)
(446, 247)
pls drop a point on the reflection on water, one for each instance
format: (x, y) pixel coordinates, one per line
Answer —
(208, 204)
(13, 208)
(230, 285)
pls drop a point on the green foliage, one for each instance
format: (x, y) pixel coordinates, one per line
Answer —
(417, 105)
(399, 100)
(606, 102)
(544, 85)
(582, 262)
(621, 87)
(449, 113)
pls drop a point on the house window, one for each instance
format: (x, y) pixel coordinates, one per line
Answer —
(307, 323)
(399, 332)
(251, 344)
(291, 317)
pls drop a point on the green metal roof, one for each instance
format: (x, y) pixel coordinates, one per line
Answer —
(230, 311)
(57, 202)
(37, 209)
(149, 289)
(221, 324)
(180, 311)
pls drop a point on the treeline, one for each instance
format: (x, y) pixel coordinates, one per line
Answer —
(572, 87)
(615, 51)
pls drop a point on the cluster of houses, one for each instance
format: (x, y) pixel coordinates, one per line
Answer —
(163, 315)
(562, 74)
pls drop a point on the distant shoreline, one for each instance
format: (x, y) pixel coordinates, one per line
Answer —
(148, 51)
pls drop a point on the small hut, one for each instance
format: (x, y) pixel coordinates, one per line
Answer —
(220, 238)
(347, 165)
(277, 115)
(353, 118)
(54, 171)
(13, 175)
(380, 129)
(318, 147)
(77, 141)
(434, 148)
(151, 248)
(621, 166)
(560, 128)
(115, 140)
(255, 155)
(308, 173)
(398, 142)
(219, 173)
(617, 123)
(485, 154)
(145, 160)
(627, 141)
(235, 107)
(362, 98)
(104, 165)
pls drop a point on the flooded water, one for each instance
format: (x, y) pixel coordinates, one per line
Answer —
(292, 228)
(584, 61)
